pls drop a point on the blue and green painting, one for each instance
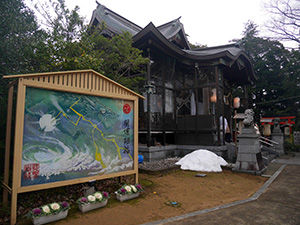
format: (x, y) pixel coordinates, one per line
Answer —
(69, 136)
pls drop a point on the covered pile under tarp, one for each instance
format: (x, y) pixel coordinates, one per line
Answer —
(202, 160)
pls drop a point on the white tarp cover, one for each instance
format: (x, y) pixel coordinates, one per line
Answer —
(202, 160)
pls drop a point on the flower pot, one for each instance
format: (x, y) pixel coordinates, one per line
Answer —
(122, 198)
(92, 206)
(50, 218)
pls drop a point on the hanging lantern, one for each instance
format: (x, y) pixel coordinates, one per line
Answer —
(287, 131)
(267, 129)
(236, 102)
(213, 97)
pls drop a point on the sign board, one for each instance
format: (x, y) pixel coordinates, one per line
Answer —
(69, 136)
(71, 127)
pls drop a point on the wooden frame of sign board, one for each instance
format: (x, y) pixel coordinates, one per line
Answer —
(90, 93)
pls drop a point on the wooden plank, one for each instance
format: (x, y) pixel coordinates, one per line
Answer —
(94, 82)
(74, 72)
(54, 79)
(59, 79)
(82, 80)
(7, 188)
(97, 83)
(73, 80)
(101, 84)
(7, 143)
(78, 84)
(69, 76)
(104, 86)
(90, 81)
(77, 90)
(85, 81)
(74, 181)
(13, 83)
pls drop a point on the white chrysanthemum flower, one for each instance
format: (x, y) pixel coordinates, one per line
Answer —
(91, 198)
(55, 206)
(133, 188)
(128, 188)
(46, 209)
(98, 195)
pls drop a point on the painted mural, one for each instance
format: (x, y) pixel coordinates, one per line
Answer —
(69, 136)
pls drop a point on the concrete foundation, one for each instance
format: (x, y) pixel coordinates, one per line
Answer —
(155, 153)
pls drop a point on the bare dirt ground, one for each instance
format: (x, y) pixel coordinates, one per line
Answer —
(192, 194)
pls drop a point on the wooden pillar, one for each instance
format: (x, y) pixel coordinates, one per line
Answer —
(221, 102)
(217, 113)
(164, 104)
(174, 100)
(246, 97)
(7, 145)
(196, 100)
(148, 102)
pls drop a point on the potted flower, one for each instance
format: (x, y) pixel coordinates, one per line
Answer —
(94, 201)
(127, 192)
(49, 213)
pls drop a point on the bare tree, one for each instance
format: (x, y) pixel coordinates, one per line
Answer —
(284, 20)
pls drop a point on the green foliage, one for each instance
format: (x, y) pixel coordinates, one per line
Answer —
(19, 34)
(290, 146)
(195, 46)
(65, 44)
(71, 45)
(277, 71)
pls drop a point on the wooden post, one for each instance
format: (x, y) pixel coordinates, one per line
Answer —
(7, 144)
(16, 183)
(136, 141)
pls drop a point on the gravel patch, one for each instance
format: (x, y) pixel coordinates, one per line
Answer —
(161, 165)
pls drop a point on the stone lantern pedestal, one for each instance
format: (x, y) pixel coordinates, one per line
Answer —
(277, 136)
(249, 157)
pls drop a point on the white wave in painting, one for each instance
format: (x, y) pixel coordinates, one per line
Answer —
(60, 160)
(66, 159)
(116, 165)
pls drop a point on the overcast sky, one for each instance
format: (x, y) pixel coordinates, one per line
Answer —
(210, 22)
(206, 22)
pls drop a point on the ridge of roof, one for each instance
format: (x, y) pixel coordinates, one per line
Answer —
(172, 21)
(102, 11)
(173, 28)
(236, 45)
(116, 23)
(118, 15)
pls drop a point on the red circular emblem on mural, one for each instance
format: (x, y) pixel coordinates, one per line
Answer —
(126, 109)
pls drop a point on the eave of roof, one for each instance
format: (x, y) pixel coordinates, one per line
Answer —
(229, 53)
(150, 31)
